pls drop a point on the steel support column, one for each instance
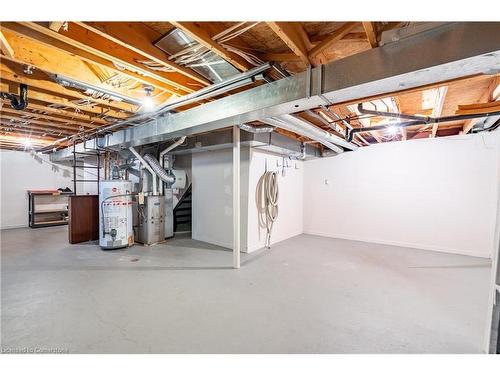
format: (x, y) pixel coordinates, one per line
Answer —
(236, 196)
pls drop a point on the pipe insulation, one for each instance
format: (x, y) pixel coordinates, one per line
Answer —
(268, 194)
(157, 168)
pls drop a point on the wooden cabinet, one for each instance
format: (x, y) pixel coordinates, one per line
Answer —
(83, 218)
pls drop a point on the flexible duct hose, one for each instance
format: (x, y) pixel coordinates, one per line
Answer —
(268, 196)
(160, 172)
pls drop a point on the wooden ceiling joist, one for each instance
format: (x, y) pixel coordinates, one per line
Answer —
(86, 40)
(58, 101)
(371, 33)
(5, 46)
(487, 96)
(295, 37)
(40, 107)
(53, 125)
(198, 33)
(139, 38)
(43, 35)
(5, 123)
(39, 80)
(331, 39)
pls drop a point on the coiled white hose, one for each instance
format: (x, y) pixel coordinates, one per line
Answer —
(269, 194)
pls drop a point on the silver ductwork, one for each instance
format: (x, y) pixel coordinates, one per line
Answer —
(257, 129)
(146, 165)
(157, 168)
(305, 128)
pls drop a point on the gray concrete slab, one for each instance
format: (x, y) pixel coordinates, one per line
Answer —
(308, 294)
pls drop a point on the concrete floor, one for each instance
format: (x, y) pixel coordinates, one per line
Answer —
(307, 295)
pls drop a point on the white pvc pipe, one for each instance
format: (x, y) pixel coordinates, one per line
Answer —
(236, 196)
(147, 166)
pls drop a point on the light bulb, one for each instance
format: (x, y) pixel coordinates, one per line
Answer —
(148, 104)
(393, 129)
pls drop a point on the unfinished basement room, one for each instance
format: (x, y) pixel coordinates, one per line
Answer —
(250, 187)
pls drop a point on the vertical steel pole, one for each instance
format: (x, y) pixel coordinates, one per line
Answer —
(74, 168)
(236, 197)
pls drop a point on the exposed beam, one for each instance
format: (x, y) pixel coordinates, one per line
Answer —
(486, 97)
(43, 35)
(51, 119)
(68, 103)
(55, 61)
(438, 107)
(40, 107)
(454, 50)
(198, 33)
(59, 126)
(104, 48)
(331, 39)
(294, 36)
(13, 73)
(5, 123)
(316, 39)
(5, 46)
(139, 38)
(371, 33)
(280, 57)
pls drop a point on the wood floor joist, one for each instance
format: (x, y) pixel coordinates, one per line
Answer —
(195, 31)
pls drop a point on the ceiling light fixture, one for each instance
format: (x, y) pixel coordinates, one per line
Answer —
(147, 103)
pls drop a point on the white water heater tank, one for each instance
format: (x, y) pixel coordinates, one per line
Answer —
(115, 214)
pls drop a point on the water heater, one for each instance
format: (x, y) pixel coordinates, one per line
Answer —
(115, 214)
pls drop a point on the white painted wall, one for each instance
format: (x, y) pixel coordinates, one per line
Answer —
(290, 205)
(212, 200)
(435, 194)
(21, 171)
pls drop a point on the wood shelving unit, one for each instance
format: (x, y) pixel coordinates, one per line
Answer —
(47, 208)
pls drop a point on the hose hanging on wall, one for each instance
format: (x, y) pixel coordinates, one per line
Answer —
(268, 202)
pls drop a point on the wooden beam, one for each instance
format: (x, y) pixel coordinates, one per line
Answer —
(280, 57)
(43, 35)
(5, 46)
(5, 123)
(51, 119)
(331, 39)
(487, 96)
(59, 126)
(198, 33)
(39, 80)
(68, 103)
(139, 38)
(438, 107)
(295, 37)
(54, 61)
(316, 39)
(40, 107)
(371, 33)
(104, 48)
